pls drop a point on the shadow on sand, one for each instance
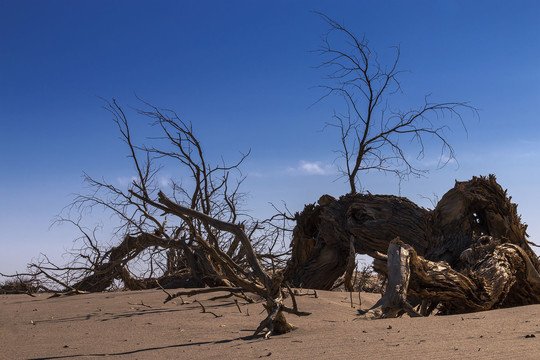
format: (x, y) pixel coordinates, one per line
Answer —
(130, 352)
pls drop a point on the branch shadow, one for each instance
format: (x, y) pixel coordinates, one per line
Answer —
(138, 351)
(107, 316)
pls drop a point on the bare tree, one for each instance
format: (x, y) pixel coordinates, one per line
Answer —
(252, 278)
(149, 245)
(196, 236)
(372, 133)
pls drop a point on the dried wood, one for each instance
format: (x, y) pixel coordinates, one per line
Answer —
(470, 253)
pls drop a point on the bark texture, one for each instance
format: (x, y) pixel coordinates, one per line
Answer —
(321, 238)
(470, 253)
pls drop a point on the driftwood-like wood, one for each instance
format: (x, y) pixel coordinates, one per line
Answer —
(394, 299)
(321, 238)
(476, 207)
(492, 275)
(470, 253)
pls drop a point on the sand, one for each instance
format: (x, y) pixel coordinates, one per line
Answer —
(137, 325)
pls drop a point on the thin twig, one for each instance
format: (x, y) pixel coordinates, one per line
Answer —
(204, 311)
(245, 297)
(141, 304)
(165, 291)
(238, 306)
(293, 298)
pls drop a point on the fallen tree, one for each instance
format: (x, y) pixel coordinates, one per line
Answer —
(470, 253)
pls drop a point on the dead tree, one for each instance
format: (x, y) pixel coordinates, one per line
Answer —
(196, 237)
(253, 279)
(166, 249)
(371, 132)
(470, 253)
(322, 236)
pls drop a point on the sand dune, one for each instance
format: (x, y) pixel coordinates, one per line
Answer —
(137, 325)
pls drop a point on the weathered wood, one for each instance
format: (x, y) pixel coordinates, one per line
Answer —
(470, 253)
(394, 299)
(321, 238)
(103, 274)
(174, 208)
(492, 275)
(351, 264)
(476, 207)
(260, 282)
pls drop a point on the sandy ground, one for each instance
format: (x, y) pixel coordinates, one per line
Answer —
(137, 325)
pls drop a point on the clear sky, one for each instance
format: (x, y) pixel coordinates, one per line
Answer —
(243, 73)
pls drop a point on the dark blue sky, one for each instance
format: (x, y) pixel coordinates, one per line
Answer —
(243, 73)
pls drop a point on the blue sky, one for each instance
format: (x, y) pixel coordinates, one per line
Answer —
(243, 73)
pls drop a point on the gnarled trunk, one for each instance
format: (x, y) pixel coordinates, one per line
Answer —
(470, 253)
(321, 238)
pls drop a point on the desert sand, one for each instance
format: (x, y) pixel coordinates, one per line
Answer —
(137, 325)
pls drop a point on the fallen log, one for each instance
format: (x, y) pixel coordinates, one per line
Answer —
(470, 253)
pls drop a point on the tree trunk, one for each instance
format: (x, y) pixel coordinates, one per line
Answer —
(321, 238)
(470, 253)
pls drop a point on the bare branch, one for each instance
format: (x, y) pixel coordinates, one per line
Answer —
(369, 142)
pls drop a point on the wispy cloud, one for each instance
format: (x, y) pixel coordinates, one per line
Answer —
(164, 181)
(125, 180)
(256, 174)
(437, 161)
(312, 168)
